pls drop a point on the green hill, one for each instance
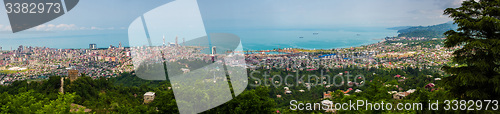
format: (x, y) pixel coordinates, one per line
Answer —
(434, 31)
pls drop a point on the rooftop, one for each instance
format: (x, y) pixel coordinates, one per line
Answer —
(149, 94)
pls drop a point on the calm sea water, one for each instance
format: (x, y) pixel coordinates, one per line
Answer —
(313, 39)
(251, 39)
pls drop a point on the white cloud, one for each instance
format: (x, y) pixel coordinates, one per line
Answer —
(57, 27)
(5, 28)
(449, 3)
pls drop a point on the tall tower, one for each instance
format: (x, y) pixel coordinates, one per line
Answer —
(213, 54)
(72, 74)
(163, 40)
(183, 41)
(213, 50)
(120, 45)
(176, 39)
(92, 46)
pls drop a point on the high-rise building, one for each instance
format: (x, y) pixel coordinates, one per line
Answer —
(120, 45)
(176, 43)
(183, 41)
(213, 54)
(20, 49)
(92, 46)
(163, 40)
(213, 50)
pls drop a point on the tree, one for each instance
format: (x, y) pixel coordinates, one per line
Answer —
(61, 105)
(250, 101)
(477, 75)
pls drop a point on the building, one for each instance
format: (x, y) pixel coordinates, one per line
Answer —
(92, 46)
(171, 44)
(328, 105)
(149, 97)
(400, 95)
(213, 54)
(185, 70)
(72, 74)
(214, 50)
(163, 40)
(327, 95)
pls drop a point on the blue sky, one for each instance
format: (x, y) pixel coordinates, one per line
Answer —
(111, 18)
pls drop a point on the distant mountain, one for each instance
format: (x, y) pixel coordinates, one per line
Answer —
(400, 27)
(434, 31)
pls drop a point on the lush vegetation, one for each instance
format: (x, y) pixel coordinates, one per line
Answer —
(112, 95)
(434, 31)
(376, 85)
(478, 76)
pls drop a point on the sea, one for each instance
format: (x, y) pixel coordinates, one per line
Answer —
(251, 39)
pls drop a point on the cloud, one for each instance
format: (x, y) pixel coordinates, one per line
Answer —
(57, 27)
(52, 27)
(448, 3)
(99, 28)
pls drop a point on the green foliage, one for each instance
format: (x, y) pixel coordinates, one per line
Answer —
(478, 34)
(250, 101)
(32, 102)
(434, 31)
(129, 80)
(61, 105)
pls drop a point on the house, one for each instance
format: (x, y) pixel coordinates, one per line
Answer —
(328, 105)
(149, 97)
(400, 95)
(411, 91)
(430, 85)
(288, 92)
(327, 95)
(185, 70)
(301, 90)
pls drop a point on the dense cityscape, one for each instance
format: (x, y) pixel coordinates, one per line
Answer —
(28, 63)
(242, 57)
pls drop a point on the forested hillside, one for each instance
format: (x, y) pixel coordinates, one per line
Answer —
(434, 31)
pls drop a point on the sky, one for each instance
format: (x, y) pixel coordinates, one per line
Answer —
(111, 18)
